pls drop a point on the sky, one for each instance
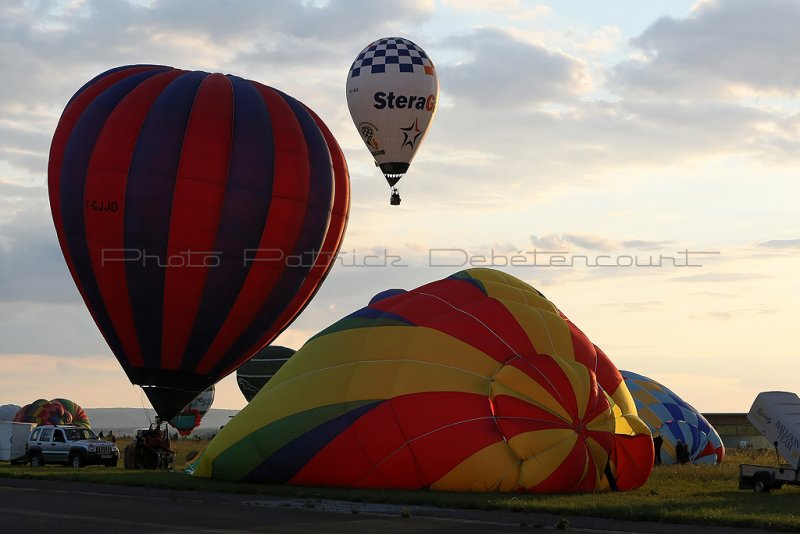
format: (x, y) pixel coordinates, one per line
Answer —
(638, 159)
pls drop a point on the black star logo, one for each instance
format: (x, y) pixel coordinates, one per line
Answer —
(411, 134)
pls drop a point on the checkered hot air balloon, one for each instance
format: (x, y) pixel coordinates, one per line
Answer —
(392, 90)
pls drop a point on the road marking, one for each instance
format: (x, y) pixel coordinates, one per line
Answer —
(417, 512)
(73, 516)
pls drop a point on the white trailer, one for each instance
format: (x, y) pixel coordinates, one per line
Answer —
(776, 414)
(13, 438)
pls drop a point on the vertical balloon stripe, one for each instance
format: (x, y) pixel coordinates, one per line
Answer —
(75, 164)
(608, 375)
(546, 371)
(583, 349)
(197, 204)
(459, 308)
(72, 113)
(675, 412)
(309, 241)
(283, 225)
(330, 248)
(245, 208)
(148, 208)
(571, 473)
(105, 183)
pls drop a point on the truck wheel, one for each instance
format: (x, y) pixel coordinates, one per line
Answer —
(762, 484)
(76, 460)
(36, 460)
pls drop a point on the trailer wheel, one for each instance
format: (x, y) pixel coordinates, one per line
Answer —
(763, 483)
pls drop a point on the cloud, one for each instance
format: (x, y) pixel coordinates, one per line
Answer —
(553, 242)
(744, 311)
(635, 307)
(722, 48)
(32, 268)
(49, 50)
(43, 328)
(566, 241)
(503, 71)
(780, 244)
(720, 277)
(645, 244)
(517, 107)
(11, 191)
(89, 381)
(589, 242)
(23, 148)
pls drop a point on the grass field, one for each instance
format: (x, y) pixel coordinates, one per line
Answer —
(678, 494)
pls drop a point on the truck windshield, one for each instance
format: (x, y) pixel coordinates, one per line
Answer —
(77, 434)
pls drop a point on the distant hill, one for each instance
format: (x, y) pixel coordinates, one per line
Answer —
(125, 420)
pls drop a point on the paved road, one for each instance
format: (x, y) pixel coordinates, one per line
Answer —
(68, 507)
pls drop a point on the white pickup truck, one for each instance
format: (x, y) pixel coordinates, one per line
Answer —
(776, 414)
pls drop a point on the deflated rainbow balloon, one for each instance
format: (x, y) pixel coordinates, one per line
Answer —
(472, 383)
(53, 412)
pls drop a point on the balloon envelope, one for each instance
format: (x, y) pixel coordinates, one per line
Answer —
(392, 90)
(255, 372)
(198, 213)
(192, 414)
(674, 419)
(471, 383)
(53, 412)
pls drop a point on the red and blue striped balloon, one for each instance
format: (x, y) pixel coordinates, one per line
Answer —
(198, 214)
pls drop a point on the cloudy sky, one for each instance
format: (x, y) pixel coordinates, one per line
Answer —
(638, 159)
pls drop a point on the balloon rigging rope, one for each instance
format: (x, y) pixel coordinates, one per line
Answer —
(144, 408)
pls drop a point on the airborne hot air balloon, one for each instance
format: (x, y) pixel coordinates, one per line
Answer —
(392, 90)
(674, 419)
(198, 214)
(192, 414)
(255, 372)
(472, 383)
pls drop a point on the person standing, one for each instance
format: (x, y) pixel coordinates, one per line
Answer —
(681, 452)
(657, 442)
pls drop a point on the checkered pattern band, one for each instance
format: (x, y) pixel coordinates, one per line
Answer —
(392, 54)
